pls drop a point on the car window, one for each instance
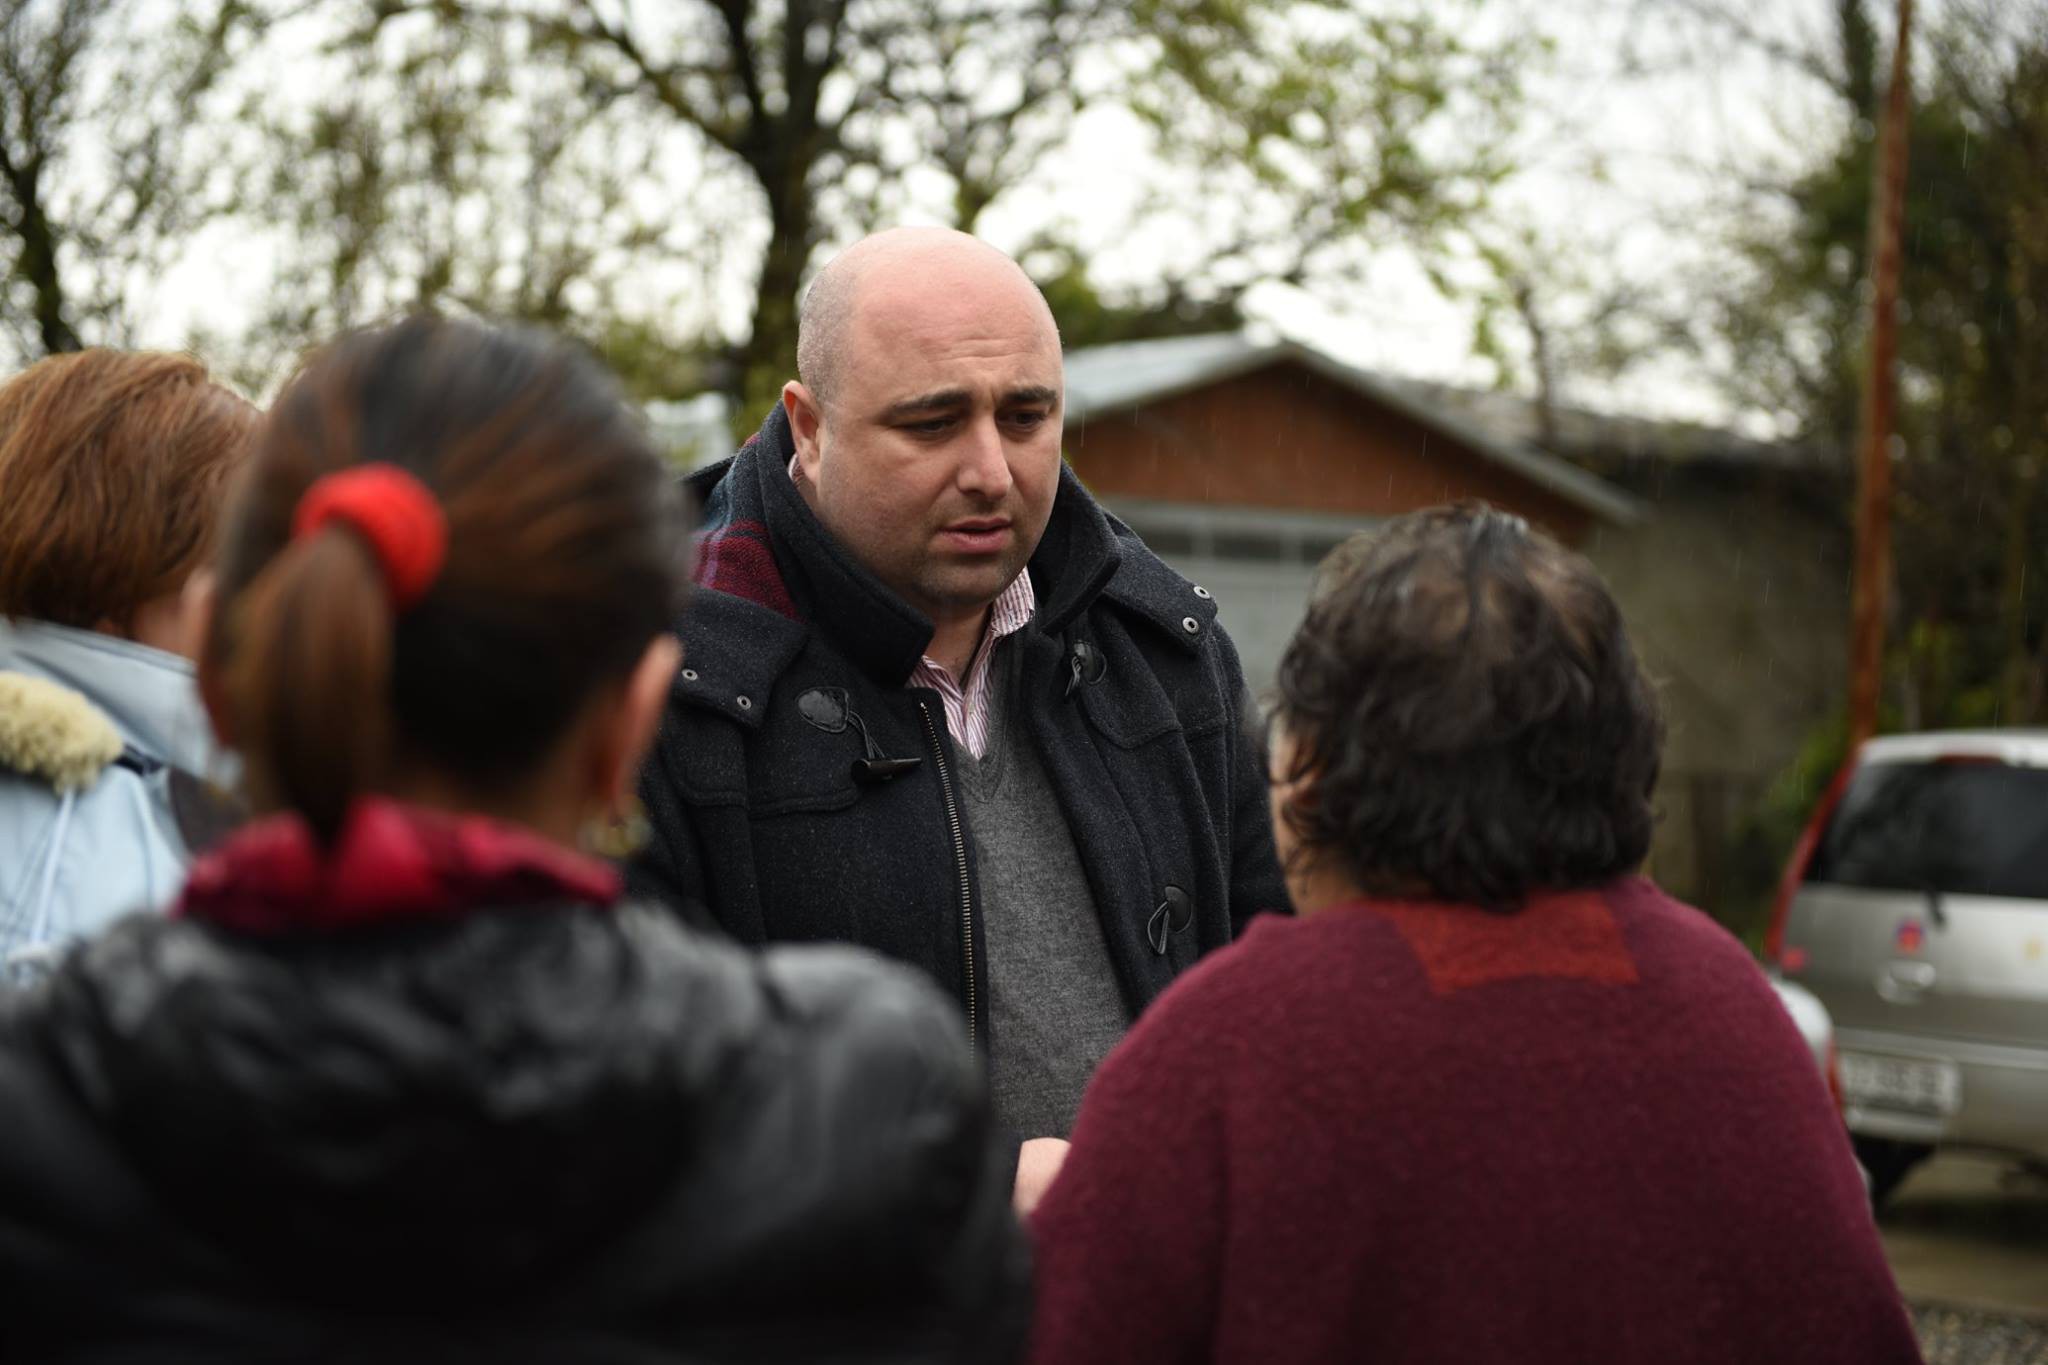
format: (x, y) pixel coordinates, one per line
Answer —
(1965, 828)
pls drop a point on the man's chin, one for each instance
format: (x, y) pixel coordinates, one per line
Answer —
(962, 592)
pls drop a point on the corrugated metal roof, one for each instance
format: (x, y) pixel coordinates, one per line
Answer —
(1514, 419)
(1107, 379)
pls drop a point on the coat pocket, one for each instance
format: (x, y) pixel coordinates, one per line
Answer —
(793, 766)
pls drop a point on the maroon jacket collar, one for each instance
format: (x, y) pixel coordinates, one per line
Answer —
(390, 862)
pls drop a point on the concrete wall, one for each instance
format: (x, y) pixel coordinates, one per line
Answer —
(1736, 592)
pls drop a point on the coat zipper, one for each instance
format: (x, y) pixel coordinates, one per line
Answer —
(960, 859)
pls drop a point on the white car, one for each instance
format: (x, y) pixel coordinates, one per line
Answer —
(1816, 1028)
(1916, 909)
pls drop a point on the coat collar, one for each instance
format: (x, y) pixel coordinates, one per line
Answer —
(149, 695)
(768, 572)
(1146, 586)
(390, 862)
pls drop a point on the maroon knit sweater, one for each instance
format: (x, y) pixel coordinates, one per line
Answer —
(1385, 1133)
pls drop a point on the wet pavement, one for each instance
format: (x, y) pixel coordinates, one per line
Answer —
(1964, 1336)
(1971, 1232)
(1968, 1241)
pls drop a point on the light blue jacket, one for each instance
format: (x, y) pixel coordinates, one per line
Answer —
(70, 863)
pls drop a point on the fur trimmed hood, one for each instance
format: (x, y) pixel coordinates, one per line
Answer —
(53, 734)
(107, 776)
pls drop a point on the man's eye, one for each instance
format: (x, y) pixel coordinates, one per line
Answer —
(930, 426)
(1029, 418)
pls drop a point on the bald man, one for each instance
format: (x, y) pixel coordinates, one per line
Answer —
(935, 701)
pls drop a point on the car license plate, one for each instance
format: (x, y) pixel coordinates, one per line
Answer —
(1907, 1083)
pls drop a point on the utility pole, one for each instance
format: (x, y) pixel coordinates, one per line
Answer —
(1880, 391)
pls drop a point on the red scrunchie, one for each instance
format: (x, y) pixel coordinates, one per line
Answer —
(394, 512)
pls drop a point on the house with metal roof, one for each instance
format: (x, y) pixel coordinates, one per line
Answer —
(1243, 461)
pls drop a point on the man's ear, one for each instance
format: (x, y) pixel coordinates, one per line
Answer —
(806, 426)
(639, 717)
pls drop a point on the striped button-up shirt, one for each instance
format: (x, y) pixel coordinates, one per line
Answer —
(967, 703)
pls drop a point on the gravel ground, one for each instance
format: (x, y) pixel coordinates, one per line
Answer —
(1963, 1336)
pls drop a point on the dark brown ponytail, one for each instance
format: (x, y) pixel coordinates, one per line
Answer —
(308, 682)
(565, 556)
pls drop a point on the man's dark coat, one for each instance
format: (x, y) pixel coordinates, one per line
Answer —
(771, 807)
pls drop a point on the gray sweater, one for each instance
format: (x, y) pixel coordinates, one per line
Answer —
(1055, 1007)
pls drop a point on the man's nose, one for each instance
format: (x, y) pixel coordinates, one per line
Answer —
(984, 462)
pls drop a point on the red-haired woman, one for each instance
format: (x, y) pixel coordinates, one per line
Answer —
(112, 465)
(402, 1078)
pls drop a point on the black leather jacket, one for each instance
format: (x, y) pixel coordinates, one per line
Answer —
(549, 1133)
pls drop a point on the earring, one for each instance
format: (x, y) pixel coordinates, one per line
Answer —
(621, 833)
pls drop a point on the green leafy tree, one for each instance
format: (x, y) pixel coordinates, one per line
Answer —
(1968, 643)
(737, 140)
(1786, 312)
(434, 162)
(103, 115)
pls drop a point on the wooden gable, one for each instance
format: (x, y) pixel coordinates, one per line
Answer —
(1286, 438)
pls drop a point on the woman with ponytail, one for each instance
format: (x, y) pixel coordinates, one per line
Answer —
(403, 1078)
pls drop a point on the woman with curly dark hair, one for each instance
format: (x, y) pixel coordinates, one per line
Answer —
(1494, 1096)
